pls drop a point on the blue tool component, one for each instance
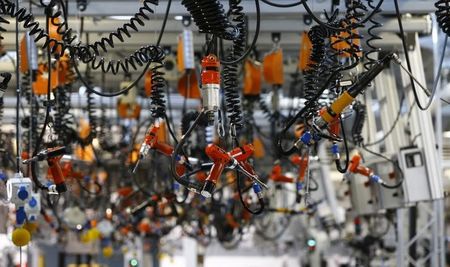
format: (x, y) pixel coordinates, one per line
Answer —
(175, 186)
(22, 193)
(299, 186)
(21, 216)
(306, 138)
(375, 178)
(33, 202)
(256, 188)
(335, 149)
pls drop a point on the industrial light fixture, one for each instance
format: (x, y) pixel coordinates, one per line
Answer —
(120, 17)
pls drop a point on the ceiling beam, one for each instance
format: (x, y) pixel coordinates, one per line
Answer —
(118, 8)
(421, 24)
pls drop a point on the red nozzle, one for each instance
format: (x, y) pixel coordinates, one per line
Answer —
(356, 167)
(277, 175)
(302, 163)
(151, 139)
(57, 173)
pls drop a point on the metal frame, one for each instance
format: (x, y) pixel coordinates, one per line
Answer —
(430, 217)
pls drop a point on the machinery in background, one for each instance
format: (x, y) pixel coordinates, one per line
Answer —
(241, 149)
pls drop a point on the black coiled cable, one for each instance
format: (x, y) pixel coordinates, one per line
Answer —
(210, 17)
(317, 35)
(29, 22)
(372, 37)
(360, 115)
(352, 21)
(159, 85)
(268, 114)
(89, 53)
(92, 116)
(443, 15)
(230, 72)
(64, 121)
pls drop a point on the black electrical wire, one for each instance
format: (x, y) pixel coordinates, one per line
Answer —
(230, 73)
(320, 22)
(144, 71)
(141, 55)
(18, 91)
(239, 189)
(185, 182)
(169, 127)
(396, 166)
(300, 114)
(241, 198)
(255, 39)
(282, 5)
(97, 192)
(347, 153)
(37, 147)
(408, 63)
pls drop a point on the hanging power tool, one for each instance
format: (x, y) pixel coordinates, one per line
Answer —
(52, 156)
(210, 86)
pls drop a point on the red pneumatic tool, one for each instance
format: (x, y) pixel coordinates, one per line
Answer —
(236, 158)
(53, 156)
(356, 167)
(151, 142)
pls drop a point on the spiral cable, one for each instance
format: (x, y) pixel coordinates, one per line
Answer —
(89, 54)
(230, 72)
(360, 116)
(356, 10)
(268, 114)
(317, 35)
(29, 22)
(210, 17)
(30, 122)
(64, 123)
(368, 55)
(443, 15)
(92, 115)
(159, 85)
(103, 135)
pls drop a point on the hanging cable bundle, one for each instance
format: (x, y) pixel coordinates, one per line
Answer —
(317, 35)
(89, 53)
(230, 72)
(210, 17)
(352, 21)
(360, 116)
(443, 15)
(25, 84)
(368, 55)
(268, 114)
(92, 115)
(64, 124)
(159, 85)
(30, 122)
(30, 23)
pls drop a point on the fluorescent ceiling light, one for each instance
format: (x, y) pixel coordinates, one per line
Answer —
(446, 134)
(178, 17)
(121, 17)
